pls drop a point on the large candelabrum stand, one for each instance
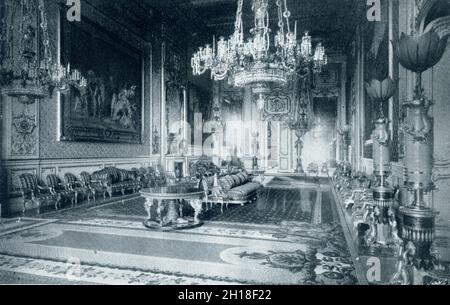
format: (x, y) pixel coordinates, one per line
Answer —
(302, 120)
(343, 134)
(383, 194)
(418, 54)
(418, 217)
(383, 204)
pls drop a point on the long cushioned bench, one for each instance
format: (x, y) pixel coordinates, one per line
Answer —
(237, 188)
(115, 180)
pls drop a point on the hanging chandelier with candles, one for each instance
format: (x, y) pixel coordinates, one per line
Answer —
(31, 73)
(260, 61)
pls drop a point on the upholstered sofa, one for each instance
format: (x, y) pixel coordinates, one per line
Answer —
(235, 188)
(115, 180)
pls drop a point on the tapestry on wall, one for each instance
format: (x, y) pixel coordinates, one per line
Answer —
(109, 107)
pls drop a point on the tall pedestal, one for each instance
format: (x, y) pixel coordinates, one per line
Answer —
(418, 228)
(383, 203)
(418, 52)
(418, 218)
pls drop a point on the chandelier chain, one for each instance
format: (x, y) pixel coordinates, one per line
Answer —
(280, 16)
(238, 23)
(46, 38)
(286, 15)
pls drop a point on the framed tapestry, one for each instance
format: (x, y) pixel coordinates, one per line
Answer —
(109, 108)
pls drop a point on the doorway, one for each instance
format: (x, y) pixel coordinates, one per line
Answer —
(279, 147)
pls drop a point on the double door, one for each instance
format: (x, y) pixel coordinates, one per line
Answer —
(279, 147)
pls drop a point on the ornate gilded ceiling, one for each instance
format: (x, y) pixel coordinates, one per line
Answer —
(334, 21)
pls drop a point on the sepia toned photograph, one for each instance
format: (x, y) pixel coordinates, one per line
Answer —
(240, 146)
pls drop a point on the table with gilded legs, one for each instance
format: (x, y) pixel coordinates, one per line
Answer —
(169, 217)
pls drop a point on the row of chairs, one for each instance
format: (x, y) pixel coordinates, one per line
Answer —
(56, 191)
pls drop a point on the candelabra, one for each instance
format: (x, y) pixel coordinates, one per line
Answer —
(383, 202)
(302, 120)
(28, 75)
(418, 54)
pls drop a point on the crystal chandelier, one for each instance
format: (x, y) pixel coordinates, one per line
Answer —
(260, 61)
(31, 73)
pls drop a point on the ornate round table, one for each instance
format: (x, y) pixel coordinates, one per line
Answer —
(167, 198)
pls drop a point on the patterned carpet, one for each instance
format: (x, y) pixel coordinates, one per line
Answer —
(293, 210)
(11, 225)
(283, 199)
(278, 241)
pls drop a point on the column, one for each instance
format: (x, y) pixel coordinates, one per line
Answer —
(163, 107)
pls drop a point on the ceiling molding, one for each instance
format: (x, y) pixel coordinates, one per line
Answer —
(333, 21)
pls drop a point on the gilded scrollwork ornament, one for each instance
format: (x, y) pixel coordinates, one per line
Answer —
(418, 126)
(23, 139)
(24, 124)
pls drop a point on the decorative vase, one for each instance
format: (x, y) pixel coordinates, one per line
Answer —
(383, 195)
(381, 148)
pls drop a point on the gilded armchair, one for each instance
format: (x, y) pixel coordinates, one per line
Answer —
(60, 190)
(75, 185)
(95, 186)
(32, 192)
